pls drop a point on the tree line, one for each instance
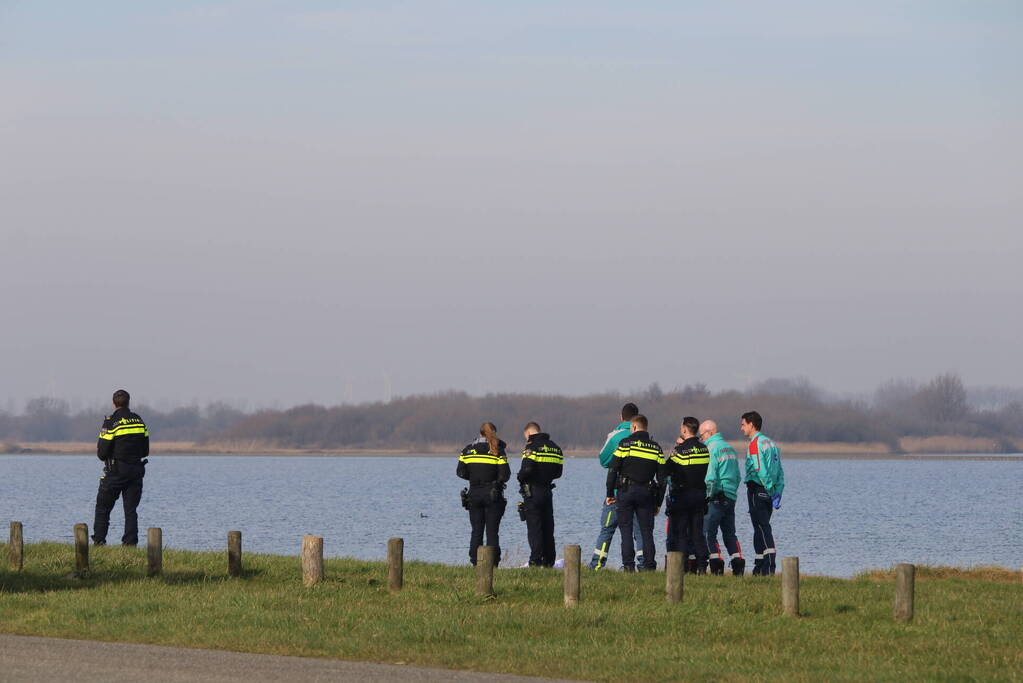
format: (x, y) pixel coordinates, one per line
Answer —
(794, 410)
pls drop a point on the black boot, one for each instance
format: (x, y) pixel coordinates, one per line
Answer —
(759, 567)
(738, 566)
(717, 566)
(691, 565)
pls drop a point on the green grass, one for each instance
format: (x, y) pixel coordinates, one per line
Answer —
(966, 627)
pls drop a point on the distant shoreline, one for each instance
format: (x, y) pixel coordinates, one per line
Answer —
(932, 448)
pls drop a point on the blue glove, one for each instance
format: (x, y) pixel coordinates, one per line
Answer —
(776, 499)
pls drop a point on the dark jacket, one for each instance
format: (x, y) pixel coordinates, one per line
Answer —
(687, 466)
(480, 467)
(123, 437)
(542, 460)
(641, 460)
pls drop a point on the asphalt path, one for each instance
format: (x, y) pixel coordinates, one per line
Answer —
(28, 658)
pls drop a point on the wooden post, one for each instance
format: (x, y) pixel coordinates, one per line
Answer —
(312, 559)
(17, 547)
(234, 553)
(790, 586)
(485, 556)
(395, 564)
(673, 576)
(154, 551)
(905, 578)
(573, 560)
(81, 548)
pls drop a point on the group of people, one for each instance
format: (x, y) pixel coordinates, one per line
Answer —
(697, 482)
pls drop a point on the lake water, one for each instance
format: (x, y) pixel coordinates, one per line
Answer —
(840, 516)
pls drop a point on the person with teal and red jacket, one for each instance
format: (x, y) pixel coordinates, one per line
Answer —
(722, 482)
(765, 481)
(609, 512)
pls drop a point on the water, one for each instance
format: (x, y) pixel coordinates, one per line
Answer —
(840, 516)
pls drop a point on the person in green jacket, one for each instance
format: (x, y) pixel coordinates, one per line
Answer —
(722, 482)
(609, 512)
(765, 480)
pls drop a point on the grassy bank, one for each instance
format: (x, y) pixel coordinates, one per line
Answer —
(726, 628)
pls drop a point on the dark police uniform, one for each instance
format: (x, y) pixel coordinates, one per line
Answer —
(542, 463)
(637, 471)
(485, 501)
(687, 468)
(123, 446)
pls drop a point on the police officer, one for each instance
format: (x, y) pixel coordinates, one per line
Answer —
(687, 470)
(765, 481)
(722, 482)
(484, 464)
(123, 446)
(542, 463)
(637, 473)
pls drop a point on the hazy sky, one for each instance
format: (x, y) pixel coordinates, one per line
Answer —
(279, 202)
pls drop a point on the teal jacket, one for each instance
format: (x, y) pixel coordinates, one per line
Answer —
(723, 470)
(611, 445)
(763, 464)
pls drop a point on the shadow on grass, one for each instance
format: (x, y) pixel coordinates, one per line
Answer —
(47, 580)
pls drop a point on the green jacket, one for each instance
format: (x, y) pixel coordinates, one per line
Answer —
(723, 470)
(763, 464)
(611, 445)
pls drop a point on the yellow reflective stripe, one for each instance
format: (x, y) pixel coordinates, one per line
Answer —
(557, 460)
(694, 460)
(122, 431)
(475, 459)
(645, 455)
(121, 427)
(106, 436)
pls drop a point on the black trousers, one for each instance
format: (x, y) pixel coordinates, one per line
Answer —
(485, 512)
(539, 508)
(636, 503)
(760, 509)
(126, 483)
(687, 525)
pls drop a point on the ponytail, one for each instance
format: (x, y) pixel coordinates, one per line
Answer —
(489, 432)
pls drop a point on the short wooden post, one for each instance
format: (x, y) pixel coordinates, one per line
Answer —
(485, 556)
(573, 560)
(81, 548)
(17, 547)
(790, 586)
(673, 585)
(234, 553)
(395, 564)
(154, 551)
(312, 559)
(905, 578)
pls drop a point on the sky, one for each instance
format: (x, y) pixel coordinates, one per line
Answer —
(272, 203)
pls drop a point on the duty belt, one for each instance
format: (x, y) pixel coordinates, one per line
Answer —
(625, 482)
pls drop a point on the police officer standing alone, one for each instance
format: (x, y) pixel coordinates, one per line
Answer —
(765, 482)
(484, 464)
(542, 463)
(637, 473)
(687, 470)
(123, 446)
(722, 482)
